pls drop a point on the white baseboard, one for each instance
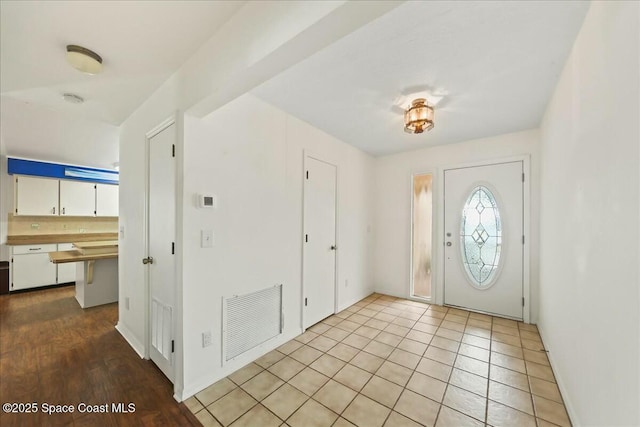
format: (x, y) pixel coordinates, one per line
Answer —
(131, 339)
(390, 293)
(349, 303)
(204, 382)
(563, 390)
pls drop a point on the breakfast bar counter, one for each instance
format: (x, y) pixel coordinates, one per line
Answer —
(96, 271)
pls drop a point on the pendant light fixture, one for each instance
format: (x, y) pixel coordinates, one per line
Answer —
(418, 117)
(83, 59)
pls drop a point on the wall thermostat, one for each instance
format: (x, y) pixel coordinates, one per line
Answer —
(205, 201)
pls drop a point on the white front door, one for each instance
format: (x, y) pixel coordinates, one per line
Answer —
(161, 220)
(319, 264)
(483, 225)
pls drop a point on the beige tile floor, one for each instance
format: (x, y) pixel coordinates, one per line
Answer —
(392, 362)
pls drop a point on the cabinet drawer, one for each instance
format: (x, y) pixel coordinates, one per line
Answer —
(34, 249)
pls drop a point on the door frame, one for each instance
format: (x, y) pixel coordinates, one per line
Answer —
(174, 119)
(526, 226)
(305, 155)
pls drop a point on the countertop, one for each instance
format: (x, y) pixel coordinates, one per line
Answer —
(61, 257)
(37, 239)
(96, 245)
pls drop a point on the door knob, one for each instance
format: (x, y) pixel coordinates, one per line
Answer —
(334, 247)
(148, 260)
(448, 243)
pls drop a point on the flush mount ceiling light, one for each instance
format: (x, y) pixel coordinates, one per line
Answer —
(83, 59)
(73, 98)
(418, 117)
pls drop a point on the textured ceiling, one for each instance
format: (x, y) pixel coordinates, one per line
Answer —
(493, 64)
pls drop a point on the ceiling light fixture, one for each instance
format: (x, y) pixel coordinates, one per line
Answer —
(418, 117)
(83, 59)
(73, 98)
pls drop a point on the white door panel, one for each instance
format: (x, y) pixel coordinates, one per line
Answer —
(161, 237)
(320, 240)
(67, 270)
(36, 196)
(77, 198)
(106, 200)
(32, 270)
(484, 238)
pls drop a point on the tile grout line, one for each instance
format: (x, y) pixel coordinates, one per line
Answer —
(394, 345)
(486, 414)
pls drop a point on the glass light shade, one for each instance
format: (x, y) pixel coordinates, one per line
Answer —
(84, 60)
(419, 117)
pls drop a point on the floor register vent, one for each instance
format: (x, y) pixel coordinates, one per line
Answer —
(249, 320)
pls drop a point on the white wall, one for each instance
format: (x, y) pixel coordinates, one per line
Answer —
(40, 133)
(214, 75)
(6, 202)
(256, 172)
(393, 205)
(589, 279)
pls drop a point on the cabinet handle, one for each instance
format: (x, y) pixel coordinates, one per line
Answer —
(54, 210)
(63, 209)
(35, 249)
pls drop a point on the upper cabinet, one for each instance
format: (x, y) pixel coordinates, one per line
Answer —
(36, 196)
(52, 197)
(106, 200)
(77, 198)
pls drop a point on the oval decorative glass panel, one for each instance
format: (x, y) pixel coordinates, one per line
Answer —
(481, 237)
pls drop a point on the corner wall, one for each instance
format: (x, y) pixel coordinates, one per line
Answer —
(256, 173)
(393, 205)
(6, 203)
(590, 221)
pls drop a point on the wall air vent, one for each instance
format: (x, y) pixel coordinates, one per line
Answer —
(249, 320)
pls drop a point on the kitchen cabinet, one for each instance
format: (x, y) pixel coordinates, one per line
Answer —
(106, 200)
(52, 197)
(31, 267)
(77, 198)
(35, 196)
(67, 271)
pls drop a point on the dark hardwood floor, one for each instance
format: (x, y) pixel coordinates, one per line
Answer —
(53, 352)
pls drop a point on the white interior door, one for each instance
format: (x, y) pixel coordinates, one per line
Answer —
(161, 247)
(483, 224)
(319, 268)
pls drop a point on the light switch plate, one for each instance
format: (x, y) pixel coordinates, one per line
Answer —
(206, 238)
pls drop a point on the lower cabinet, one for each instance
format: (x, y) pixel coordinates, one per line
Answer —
(31, 267)
(66, 271)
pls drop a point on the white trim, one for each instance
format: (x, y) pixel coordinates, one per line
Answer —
(130, 337)
(571, 412)
(160, 127)
(177, 383)
(240, 361)
(410, 295)
(526, 197)
(526, 253)
(309, 154)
